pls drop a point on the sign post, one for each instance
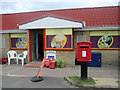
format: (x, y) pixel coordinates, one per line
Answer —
(84, 70)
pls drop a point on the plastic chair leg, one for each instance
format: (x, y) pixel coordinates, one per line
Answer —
(22, 62)
(8, 61)
(17, 60)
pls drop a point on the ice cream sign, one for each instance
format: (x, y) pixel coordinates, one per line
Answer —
(59, 39)
(105, 41)
(18, 41)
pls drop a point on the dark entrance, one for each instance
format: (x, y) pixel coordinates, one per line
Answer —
(40, 47)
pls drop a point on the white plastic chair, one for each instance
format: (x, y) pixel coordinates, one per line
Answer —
(22, 57)
(11, 55)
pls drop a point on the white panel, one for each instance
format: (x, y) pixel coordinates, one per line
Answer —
(81, 38)
(83, 53)
(50, 22)
(2, 45)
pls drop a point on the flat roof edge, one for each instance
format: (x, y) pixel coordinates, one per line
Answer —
(13, 31)
(97, 28)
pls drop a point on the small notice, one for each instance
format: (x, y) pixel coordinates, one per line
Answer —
(51, 54)
(83, 53)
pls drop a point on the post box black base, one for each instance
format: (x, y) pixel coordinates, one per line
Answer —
(84, 70)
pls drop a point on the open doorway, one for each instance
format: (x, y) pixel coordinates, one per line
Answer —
(40, 45)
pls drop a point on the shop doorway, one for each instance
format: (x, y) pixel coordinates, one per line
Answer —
(40, 47)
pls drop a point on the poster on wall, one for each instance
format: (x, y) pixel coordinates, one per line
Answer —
(105, 42)
(59, 39)
(105, 39)
(19, 41)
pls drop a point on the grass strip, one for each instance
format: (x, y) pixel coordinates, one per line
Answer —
(79, 81)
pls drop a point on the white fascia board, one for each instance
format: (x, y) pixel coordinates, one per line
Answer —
(50, 22)
(13, 31)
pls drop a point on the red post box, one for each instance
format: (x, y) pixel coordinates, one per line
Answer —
(84, 51)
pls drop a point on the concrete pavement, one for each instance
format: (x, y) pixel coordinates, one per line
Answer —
(105, 76)
(25, 82)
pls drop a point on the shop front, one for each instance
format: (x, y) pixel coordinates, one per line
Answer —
(51, 34)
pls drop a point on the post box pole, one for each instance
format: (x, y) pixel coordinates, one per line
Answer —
(84, 70)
